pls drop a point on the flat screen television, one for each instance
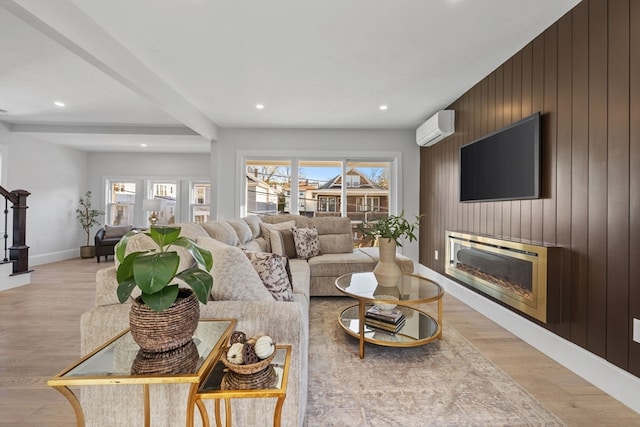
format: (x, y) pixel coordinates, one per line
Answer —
(504, 165)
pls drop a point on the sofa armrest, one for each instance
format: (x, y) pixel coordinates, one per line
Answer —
(99, 237)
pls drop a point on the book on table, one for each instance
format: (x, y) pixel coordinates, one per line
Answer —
(390, 316)
(386, 326)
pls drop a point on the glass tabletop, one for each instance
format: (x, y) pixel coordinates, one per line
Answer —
(411, 288)
(122, 357)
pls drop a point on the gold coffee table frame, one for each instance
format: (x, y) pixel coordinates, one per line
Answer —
(279, 390)
(411, 290)
(69, 377)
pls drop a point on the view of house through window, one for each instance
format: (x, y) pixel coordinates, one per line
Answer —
(165, 192)
(200, 208)
(319, 189)
(121, 202)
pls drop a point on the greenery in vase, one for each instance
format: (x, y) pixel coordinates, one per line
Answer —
(153, 271)
(87, 216)
(394, 227)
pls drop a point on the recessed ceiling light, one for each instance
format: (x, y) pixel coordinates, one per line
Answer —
(143, 145)
(58, 104)
(260, 106)
(383, 107)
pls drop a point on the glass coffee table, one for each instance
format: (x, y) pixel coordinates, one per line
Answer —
(417, 326)
(119, 362)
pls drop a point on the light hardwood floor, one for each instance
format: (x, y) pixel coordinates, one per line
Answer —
(40, 335)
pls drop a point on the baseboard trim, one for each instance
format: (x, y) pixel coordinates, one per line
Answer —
(614, 381)
(53, 257)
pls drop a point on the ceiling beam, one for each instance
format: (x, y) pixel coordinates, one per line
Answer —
(101, 129)
(66, 24)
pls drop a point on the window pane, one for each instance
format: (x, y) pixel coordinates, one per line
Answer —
(121, 203)
(321, 183)
(166, 193)
(267, 183)
(368, 195)
(200, 210)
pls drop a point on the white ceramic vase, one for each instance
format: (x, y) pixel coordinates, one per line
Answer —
(387, 271)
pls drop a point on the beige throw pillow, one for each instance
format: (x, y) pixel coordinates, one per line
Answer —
(265, 230)
(273, 272)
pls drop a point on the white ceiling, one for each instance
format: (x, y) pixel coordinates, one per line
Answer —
(135, 71)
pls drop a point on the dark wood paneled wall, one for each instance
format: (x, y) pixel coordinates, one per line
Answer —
(583, 74)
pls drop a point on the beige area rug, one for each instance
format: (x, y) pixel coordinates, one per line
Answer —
(443, 383)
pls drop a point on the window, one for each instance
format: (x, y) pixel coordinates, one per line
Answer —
(368, 204)
(165, 191)
(121, 202)
(199, 203)
(353, 181)
(268, 186)
(327, 204)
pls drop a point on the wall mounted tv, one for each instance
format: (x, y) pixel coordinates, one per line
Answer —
(504, 165)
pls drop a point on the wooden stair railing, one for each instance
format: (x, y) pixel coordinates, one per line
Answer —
(19, 251)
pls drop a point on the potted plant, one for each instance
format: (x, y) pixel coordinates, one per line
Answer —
(164, 316)
(389, 232)
(88, 217)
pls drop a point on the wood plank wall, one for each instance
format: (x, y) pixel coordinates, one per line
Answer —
(583, 74)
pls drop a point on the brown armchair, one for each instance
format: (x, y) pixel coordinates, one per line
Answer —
(107, 238)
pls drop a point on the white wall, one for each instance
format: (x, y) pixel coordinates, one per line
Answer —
(338, 143)
(141, 166)
(56, 177)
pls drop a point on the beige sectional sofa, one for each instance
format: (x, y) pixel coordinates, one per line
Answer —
(236, 294)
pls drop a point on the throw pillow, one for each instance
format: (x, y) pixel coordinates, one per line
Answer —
(307, 242)
(113, 231)
(222, 231)
(272, 271)
(265, 230)
(234, 278)
(282, 243)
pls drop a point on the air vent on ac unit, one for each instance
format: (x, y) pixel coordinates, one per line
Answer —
(438, 127)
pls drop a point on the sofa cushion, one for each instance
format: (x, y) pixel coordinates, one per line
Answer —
(242, 229)
(307, 242)
(300, 220)
(116, 231)
(234, 278)
(192, 230)
(253, 221)
(272, 269)
(335, 265)
(335, 234)
(283, 243)
(265, 230)
(222, 231)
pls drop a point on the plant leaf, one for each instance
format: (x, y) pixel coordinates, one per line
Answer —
(154, 272)
(202, 256)
(164, 236)
(199, 280)
(121, 246)
(162, 299)
(125, 288)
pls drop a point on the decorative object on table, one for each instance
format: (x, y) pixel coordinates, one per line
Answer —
(389, 232)
(265, 378)
(248, 355)
(389, 320)
(153, 206)
(164, 316)
(88, 217)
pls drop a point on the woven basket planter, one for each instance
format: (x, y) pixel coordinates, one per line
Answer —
(182, 360)
(157, 332)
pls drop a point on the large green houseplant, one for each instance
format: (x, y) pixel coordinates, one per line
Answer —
(389, 232)
(394, 227)
(88, 217)
(164, 316)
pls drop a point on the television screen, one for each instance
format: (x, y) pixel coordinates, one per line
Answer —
(504, 165)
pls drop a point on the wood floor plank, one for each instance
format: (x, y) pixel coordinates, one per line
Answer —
(40, 335)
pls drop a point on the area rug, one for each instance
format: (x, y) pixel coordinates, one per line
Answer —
(443, 383)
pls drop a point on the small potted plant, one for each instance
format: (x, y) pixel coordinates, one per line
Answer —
(389, 232)
(164, 316)
(88, 217)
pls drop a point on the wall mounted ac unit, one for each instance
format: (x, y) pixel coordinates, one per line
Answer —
(438, 127)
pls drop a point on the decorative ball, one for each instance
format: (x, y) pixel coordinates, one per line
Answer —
(249, 355)
(237, 336)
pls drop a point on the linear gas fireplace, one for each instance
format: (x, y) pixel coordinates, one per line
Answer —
(514, 273)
